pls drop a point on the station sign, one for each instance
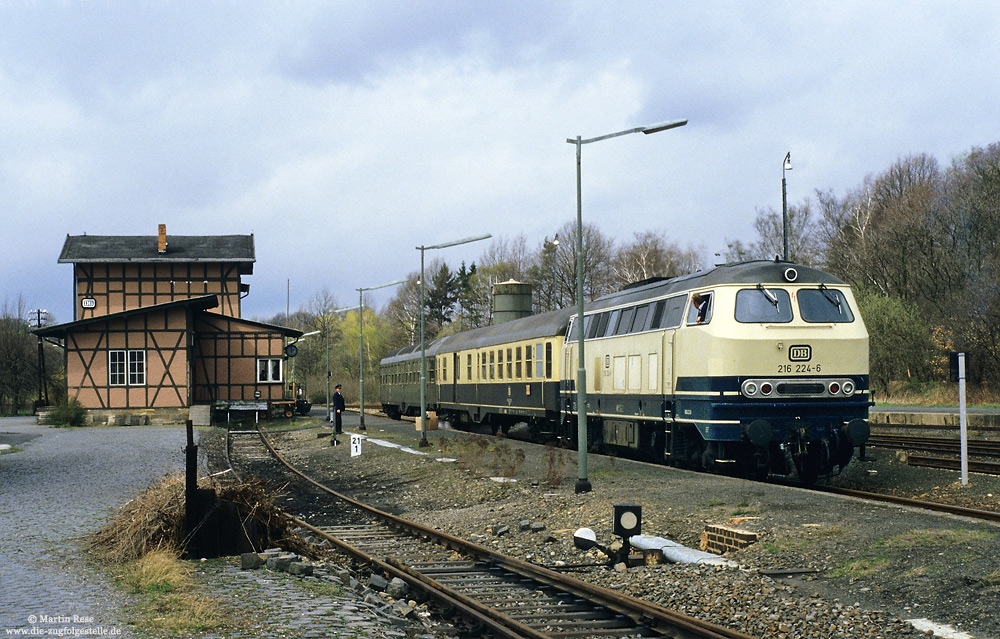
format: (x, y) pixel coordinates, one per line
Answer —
(88, 302)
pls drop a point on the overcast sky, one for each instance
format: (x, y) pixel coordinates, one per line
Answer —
(344, 134)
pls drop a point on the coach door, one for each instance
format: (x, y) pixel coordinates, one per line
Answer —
(457, 361)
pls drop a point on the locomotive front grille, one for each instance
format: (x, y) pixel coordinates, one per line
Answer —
(812, 389)
(784, 388)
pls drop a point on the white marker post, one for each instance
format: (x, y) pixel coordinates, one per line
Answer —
(963, 433)
(355, 445)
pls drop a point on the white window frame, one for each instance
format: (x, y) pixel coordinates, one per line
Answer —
(271, 365)
(126, 367)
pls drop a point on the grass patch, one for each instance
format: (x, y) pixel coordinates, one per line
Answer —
(166, 596)
(865, 567)
(934, 537)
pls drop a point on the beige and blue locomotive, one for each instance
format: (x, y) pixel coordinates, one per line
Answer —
(749, 369)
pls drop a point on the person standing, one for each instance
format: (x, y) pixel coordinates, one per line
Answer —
(338, 410)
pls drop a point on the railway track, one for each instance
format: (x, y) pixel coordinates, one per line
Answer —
(498, 596)
(940, 445)
(936, 446)
(972, 513)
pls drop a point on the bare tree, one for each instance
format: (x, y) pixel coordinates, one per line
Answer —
(803, 239)
(650, 255)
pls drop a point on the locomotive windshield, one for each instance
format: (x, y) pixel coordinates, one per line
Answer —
(759, 305)
(824, 305)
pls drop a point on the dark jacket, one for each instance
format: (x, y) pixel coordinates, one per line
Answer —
(338, 401)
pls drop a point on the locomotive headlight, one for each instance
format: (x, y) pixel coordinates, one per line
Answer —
(834, 388)
(848, 388)
(765, 388)
(749, 388)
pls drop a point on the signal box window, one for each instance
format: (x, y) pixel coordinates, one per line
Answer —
(127, 367)
(269, 370)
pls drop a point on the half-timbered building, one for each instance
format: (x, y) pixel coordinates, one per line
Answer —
(157, 326)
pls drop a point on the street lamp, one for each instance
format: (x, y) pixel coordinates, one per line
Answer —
(786, 166)
(555, 250)
(423, 346)
(361, 345)
(582, 483)
(326, 330)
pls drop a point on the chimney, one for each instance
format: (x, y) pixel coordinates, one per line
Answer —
(161, 244)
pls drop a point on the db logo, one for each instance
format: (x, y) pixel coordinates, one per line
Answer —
(801, 353)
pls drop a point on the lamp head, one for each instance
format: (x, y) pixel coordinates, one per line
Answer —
(663, 126)
(788, 162)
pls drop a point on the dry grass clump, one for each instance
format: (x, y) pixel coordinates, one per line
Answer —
(154, 520)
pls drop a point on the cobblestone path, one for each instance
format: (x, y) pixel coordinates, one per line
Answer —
(56, 488)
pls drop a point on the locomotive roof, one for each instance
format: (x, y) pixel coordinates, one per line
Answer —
(554, 323)
(756, 272)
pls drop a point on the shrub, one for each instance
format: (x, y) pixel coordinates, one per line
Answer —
(68, 413)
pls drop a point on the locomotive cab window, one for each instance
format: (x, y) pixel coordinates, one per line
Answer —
(763, 305)
(700, 310)
(824, 305)
(673, 313)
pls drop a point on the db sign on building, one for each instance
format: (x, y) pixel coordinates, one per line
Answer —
(88, 302)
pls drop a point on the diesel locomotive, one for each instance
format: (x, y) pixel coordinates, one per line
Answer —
(750, 369)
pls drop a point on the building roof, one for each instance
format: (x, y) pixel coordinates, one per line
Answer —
(201, 303)
(143, 248)
(60, 330)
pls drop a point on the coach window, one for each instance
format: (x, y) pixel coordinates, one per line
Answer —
(510, 364)
(692, 318)
(500, 364)
(613, 323)
(654, 321)
(469, 366)
(493, 355)
(641, 315)
(602, 323)
(518, 365)
(539, 361)
(592, 327)
(763, 305)
(625, 321)
(527, 361)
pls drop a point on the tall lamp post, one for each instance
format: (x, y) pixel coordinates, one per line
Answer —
(786, 166)
(555, 250)
(361, 345)
(326, 330)
(423, 346)
(582, 482)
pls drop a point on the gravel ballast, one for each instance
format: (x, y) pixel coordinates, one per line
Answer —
(853, 568)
